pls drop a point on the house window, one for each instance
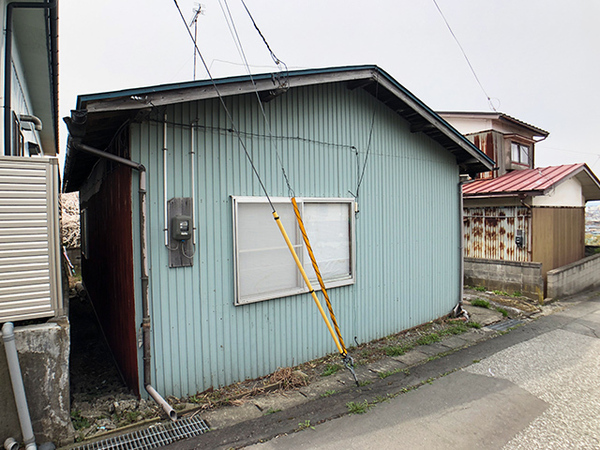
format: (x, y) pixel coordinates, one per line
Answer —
(264, 267)
(519, 153)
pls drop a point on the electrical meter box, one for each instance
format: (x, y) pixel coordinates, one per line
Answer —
(181, 227)
(180, 235)
(520, 239)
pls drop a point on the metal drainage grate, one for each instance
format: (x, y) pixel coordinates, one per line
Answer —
(155, 436)
(503, 326)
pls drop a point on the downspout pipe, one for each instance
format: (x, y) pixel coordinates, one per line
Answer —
(16, 379)
(165, 181)
(147, 354)
(8, 59)
(462, 181)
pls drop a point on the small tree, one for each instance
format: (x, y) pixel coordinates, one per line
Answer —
(70, 220)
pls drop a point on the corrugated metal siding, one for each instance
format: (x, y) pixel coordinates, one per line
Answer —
(490, 232)
(559, 236)
(29, 239)
(407, 232)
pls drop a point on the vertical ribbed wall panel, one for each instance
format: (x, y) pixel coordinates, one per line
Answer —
(407, 249)
(30, 283)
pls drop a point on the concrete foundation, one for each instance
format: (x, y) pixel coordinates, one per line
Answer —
(573, 278)
(44, 359)
(508, 276)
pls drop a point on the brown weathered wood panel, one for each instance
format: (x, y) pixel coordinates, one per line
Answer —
(558, 236)
(108, 270)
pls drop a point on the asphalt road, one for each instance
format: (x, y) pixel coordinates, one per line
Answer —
(537, 387)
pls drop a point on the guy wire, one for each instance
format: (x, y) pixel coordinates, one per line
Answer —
(229, 116)
(238, 43)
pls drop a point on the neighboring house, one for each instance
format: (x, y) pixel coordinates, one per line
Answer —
(521, 213)
(228, 304)
(506, 140)
(30, 262)
(530, 215)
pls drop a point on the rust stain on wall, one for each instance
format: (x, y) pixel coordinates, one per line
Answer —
(490, 232)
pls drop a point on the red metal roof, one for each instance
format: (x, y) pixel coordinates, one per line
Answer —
(529, 181)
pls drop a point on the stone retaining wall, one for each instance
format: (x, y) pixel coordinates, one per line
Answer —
(573, 278)
(508, 276)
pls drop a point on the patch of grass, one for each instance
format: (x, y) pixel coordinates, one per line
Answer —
(271, 411)
(455, 328)
(304, 425)
(358, 408)
(330, 369)
(78, 421)
(502, 311)
(517, 294)
(481, 303)
(475, 361)
(497, 292)
(380, 399)
(130, 417)
(388, 373)
(476, 325)
(397, 350)
(364, 383)
(328, 393)
(479, 288)
(429, 339)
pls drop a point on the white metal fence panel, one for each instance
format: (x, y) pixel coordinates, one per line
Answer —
(30, 284)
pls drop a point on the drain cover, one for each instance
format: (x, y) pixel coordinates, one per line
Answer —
(154, 436)
(503, 326)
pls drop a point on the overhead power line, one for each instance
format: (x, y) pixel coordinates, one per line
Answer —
(465, 55)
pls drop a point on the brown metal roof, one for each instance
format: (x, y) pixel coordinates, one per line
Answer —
(535, 182)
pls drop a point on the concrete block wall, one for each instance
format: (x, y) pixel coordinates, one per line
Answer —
(573, 278)
(44, 359)
(508, 276)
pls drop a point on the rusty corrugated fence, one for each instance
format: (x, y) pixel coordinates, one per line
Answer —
(490, 233)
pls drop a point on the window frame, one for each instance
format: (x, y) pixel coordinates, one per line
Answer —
(520, 146)
(294, 233)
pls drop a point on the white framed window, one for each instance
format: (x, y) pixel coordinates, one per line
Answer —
(264, 267)
(519, 153)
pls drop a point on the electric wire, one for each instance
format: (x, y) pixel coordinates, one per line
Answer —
(369, 139)
(238, 43)
(228, 17)
(258, 135)
(273, 56)
(465, 55)
(227, 112)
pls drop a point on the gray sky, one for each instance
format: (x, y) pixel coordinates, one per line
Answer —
(538, 60)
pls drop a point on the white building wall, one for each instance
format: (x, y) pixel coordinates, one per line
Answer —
(567, 193)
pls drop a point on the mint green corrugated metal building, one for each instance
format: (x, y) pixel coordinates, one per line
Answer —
(224, 305)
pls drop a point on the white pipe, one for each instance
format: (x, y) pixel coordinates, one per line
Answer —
(165, 201)
(11, 444)
(16, 379)
(193, 157)
(161, 401)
